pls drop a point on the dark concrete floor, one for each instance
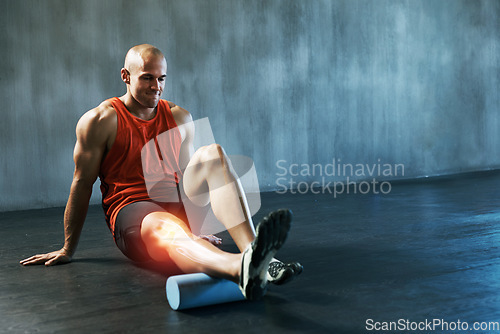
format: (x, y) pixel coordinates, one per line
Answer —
(428, 250)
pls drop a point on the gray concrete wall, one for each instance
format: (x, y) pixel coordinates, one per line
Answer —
(296, 81)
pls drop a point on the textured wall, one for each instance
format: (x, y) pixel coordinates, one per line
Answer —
(304, 81)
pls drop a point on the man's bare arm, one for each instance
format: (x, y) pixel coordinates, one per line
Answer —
(185, 124)
(92, 134)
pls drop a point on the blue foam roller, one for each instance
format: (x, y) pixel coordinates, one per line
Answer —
(196, 290)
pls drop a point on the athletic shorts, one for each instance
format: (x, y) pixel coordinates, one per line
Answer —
(128, 226)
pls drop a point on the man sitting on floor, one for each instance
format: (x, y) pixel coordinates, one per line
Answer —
(110, 139)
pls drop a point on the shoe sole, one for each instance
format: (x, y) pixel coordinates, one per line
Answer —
(271, 234)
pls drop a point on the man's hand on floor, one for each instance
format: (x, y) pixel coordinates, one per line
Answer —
(49, 259)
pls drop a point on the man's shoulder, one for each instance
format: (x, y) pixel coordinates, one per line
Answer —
(105, 109)
(181, 115)
(104, 115)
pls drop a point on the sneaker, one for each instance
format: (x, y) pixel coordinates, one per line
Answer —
(281, 273)
(271, 233)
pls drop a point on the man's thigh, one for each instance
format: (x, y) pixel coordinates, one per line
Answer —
(128, 226)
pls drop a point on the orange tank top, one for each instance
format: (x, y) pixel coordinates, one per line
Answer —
(141, 148)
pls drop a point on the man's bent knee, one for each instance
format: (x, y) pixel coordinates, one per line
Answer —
(208, 166)
(208, 155)
(160, 231)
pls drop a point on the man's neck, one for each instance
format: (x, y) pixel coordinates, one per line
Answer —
(136, 109)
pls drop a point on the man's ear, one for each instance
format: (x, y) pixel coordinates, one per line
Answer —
(125, 74)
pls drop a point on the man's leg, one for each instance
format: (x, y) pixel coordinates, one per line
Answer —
(209, 177)
(166, 237)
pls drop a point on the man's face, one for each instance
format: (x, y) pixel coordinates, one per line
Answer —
(147, 80)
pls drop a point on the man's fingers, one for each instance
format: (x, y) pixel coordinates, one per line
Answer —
(48, 259)
(35, 259)
(214, 240)
(50, 262)
(26, 260)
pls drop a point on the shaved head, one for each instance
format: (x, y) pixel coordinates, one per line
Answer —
(144, 73)
(139, 54)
